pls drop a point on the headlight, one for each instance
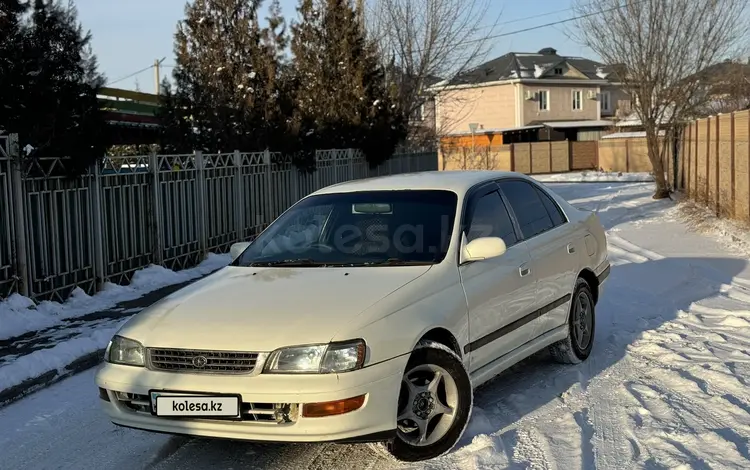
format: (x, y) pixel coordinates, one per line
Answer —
(317, 358)
(125, 351)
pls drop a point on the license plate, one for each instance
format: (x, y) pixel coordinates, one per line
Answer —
(202, 406)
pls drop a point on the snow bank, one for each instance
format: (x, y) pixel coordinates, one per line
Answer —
(19, 315)
(595, 176)
(55, 358)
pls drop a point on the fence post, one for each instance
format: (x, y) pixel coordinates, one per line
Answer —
(269, 189)
(19, 200)
(627, 156)
(717, 167)
(689, 160)
(157, 230)
(550, 157)
(200, 202)
(350, 156)
(317, 173)
(239, 197)
(570, 155)
(99, 263)
(732, 164)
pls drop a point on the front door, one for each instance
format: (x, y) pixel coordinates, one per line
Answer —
(500, 291)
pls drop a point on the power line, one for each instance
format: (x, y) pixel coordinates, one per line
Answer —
(526, 18)
(131, 75)
(554, 23)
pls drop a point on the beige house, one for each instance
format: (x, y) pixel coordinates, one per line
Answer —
(522, 89)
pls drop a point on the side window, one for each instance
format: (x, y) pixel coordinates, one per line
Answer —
(490, 218)
(552, 208)
(530, 211)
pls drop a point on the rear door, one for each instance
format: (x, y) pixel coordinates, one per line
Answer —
(553, 248)
(499, 291)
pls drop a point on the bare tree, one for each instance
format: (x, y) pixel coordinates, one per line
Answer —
(654, 46)
(426, 41)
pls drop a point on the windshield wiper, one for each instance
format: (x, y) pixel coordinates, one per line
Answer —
(398, 262)
(289, 262)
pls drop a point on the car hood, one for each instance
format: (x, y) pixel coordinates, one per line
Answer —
(261, 309)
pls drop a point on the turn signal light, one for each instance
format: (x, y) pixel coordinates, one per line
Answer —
(332, 408)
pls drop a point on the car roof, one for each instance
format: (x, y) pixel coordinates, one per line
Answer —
(458, 181)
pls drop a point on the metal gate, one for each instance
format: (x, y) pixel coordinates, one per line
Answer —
(7, 264)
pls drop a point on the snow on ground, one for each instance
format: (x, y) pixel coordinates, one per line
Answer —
(57, 357)
(667, 384)
(19, 315)
(594, 177)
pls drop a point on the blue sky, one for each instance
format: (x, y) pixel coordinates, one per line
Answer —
(129, 35)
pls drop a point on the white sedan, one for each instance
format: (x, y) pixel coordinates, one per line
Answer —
(367, 312)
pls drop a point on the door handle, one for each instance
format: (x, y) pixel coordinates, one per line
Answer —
(571, 248)
(524, 270)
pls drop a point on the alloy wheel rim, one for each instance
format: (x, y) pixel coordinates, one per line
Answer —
(428, 404)
(582, 321)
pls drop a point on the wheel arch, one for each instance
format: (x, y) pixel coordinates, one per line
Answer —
(442, 336)
(593, 281)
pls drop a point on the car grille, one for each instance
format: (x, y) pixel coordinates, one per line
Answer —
(200, 361)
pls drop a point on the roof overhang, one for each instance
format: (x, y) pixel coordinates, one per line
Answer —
(574, 124)
(524, 81)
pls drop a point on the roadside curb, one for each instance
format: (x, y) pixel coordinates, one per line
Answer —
(84, 362)
(29, 386)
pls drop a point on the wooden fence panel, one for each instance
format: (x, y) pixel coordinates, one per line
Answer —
(583, 155)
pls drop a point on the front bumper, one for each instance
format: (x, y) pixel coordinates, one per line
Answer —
(380, 383)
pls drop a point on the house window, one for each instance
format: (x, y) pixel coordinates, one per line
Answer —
(558, 71)
(606, 102)
(543, 100)
(577, 100)
(418, 114)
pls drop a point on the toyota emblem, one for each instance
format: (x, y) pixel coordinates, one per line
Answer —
(200, 362)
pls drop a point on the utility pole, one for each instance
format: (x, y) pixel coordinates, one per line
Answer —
(157, 80)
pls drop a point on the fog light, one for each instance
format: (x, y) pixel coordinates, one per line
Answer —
(285, 412)
(103, 394)
(332, 408)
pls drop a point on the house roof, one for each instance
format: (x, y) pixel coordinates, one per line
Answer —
(519, 65)
(723, 70)
(573, 124)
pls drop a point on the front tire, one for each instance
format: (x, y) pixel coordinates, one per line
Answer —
(434, 406)
(577, 346)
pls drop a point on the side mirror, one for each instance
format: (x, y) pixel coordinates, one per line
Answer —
(483, 248)
(236, 250)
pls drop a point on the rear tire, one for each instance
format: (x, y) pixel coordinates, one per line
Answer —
(577, 346)
(434, 407)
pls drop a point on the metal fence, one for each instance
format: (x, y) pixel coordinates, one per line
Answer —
(7, 248)
(130, 212)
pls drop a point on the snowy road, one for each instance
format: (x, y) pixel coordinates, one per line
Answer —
(666, 386)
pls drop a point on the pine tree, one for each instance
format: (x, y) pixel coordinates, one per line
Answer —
(55, 109)
(279, 106)
(342, 96)
(176, 134)
(13, 62)
(227, 68)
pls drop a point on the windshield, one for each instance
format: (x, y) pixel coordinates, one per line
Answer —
(358, 229)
